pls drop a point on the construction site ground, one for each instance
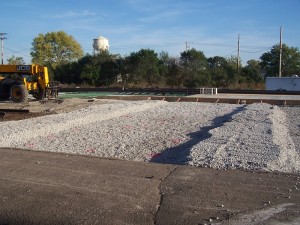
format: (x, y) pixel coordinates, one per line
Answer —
(55, 188)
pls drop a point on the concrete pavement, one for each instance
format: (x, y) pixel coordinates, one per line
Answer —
(251, 96)
(53, 188)
(217, 98)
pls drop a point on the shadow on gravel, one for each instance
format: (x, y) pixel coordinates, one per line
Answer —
(179, 155)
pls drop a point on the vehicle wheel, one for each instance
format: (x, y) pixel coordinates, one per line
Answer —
(38, 95)
(4, 89)
(18, 93)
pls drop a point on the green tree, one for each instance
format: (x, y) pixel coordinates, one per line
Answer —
(231, 69)
(217, 67)
(15, 60)
(55, 48)
(290, 61)
(94, 70)
(68, 73)
(174, 76)
(123, 64)
(252, 72)
(143, 67)
(71, 72)
(108, 67)
(90, 74)
(194, 68)
(164, 60)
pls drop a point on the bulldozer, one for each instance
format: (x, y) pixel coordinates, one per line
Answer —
(18, 81)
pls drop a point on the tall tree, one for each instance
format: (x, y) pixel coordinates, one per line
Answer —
(143, 66)
(231, 69)
(174, 76)
(100, 69)
(68, 73)
(90, 74)
(164, 60)
(55, 48)
(290, 61)
(252, 72)
(194, 67)
(217, 68)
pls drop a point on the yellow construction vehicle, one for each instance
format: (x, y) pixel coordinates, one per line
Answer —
(17, 81)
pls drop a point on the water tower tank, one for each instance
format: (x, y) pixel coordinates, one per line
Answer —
(100, 44)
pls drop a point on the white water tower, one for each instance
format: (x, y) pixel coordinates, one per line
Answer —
(100, 44)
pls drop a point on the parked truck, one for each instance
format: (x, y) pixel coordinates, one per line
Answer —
(283, 83)
(17, 81)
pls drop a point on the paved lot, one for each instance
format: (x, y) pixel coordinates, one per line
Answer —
(50, 188)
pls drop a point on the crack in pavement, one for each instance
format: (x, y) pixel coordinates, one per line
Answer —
(155, 213)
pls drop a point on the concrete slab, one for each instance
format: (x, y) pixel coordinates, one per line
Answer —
(206, 196)
(45, 188)
(250, 96)
(53, 188)
(218, 98)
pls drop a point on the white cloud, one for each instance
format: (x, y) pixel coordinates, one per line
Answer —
(72, 14)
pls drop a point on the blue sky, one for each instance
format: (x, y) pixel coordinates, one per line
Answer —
(211, 26)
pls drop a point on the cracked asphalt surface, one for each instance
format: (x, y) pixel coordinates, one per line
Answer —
(53, 188)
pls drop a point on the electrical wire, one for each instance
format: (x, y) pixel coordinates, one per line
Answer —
(211, 44)
(256, 51)
(89, 49)
(16, 52)
(230, 53)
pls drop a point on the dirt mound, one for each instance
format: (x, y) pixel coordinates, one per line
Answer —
(46, 107)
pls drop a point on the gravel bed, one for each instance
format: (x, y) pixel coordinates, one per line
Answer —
(257, 138)
(222, 136)
(293, 124)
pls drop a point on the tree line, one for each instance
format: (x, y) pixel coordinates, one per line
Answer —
(145, 68)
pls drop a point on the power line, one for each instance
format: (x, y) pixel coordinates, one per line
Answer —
(17, 52)
(212, 44)
(230, 53)
(257, 51)
(253, 46)
(185, 45)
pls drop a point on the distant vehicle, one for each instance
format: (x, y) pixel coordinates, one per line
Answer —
(283, 83)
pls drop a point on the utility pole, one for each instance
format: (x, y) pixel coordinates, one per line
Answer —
(280, 52)
(186, 46)
(238, 55)
(2, 37)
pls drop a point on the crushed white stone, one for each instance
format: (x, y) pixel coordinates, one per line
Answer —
(222, 136)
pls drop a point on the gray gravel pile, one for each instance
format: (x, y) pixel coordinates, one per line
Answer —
(293, 124)
(200, 134)
(256, 138)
